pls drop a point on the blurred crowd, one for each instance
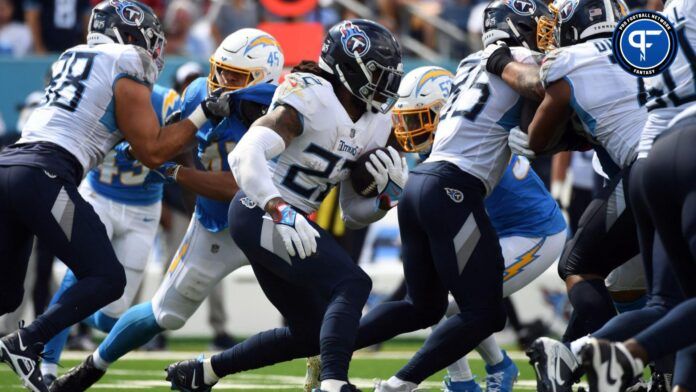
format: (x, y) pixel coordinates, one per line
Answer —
(195, 27)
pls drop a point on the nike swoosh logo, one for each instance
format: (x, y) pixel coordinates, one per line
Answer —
(21, 344)
(611, 380)
(193, 381)
(50, 175)
(559, 378)
(148, 219)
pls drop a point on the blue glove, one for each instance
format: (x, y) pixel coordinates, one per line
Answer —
(124, 152)
(165, 174)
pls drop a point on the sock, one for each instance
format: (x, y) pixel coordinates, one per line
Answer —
(592, 308)
(460, 371)
(623, 307)
(209, 376)
(135, 328)
(332, 385)
(396, 382)
(577, 345)
(490, 351)
(49, 368)
(99, 361)
(56, 345)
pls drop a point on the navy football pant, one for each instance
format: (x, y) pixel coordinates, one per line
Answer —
(321, 297)
(449, 246)
(33, 202)
(685, 369)
(605, 239)
(668, 191)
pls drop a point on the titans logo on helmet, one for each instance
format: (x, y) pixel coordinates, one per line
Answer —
(522, 7)
(130, 13)
(568, 10)
(355, 42)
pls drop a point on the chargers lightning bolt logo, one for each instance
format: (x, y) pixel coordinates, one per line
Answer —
(262, 40)
(524, 260)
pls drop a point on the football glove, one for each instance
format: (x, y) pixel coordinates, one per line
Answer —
(298, 235)
(390, 172)
(495, 57)
(217, 106)
(124, 151)
(165, 174)
(519, 143)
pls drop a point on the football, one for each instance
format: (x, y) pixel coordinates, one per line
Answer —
(362, 181)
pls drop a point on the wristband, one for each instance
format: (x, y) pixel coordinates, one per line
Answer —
(498, 60)
(198, 117)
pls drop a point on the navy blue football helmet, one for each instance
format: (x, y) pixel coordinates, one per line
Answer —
(516, 23)
(366, 58)
(127, 22)
(582, 20)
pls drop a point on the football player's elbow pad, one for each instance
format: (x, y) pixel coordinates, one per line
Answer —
(248, 163)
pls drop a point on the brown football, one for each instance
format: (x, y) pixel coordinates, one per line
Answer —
(361, 179)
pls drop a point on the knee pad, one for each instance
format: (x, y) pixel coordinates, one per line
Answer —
(170, 321)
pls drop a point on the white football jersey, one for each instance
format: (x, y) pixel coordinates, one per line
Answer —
(78, 109)
(321, 156)
(674, 90)
(608, 100)
(476, 120)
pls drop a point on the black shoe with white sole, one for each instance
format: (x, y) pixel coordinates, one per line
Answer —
(609, 366)
(187, 376)
(554, 364)
(23, 360)
(79, 378)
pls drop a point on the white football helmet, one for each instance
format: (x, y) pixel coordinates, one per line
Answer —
(245, 58)
(415, 115)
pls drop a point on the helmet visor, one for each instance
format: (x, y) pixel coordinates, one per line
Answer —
(414, 129)
(228, 77)
(158, 42)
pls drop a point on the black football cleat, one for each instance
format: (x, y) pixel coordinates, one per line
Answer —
(187, 376)
(79, 378)
(554, 364)
(49, 379)
(609, 366)
(23, 360)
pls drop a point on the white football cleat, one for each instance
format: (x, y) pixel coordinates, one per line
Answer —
(554, 365)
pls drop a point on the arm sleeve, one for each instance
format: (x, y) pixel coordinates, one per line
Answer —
(136, 64)
(555, 66)
(358, 211)
(249, 163)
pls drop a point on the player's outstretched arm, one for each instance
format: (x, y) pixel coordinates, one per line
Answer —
(549, 121)
(523, 78)
(217, 185)
(151, 144)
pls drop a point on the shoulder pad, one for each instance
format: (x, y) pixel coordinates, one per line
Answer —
(555, 66)
(135, 63)
(306, 93)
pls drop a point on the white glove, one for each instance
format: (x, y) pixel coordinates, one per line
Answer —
(295, 231)
(519, 143)
(390, 173)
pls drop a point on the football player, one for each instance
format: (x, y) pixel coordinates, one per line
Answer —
(674, 93)
(322, 119)
(607, 236)
(99, 93)
(248, 63)
(529, 223)
(130, 211)
(449, 242)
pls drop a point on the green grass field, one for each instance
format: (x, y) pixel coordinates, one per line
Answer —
(143, 371)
